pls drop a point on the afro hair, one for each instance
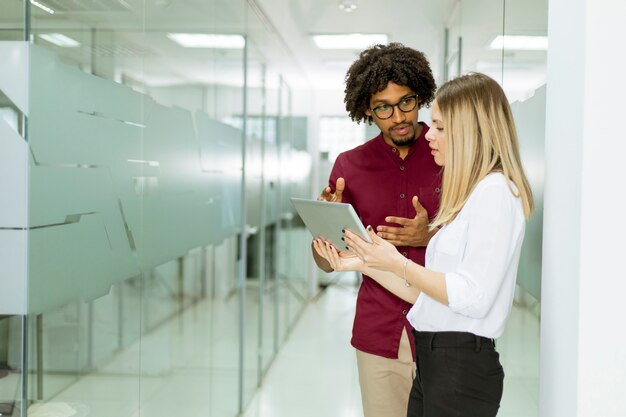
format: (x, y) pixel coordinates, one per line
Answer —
(381, 64)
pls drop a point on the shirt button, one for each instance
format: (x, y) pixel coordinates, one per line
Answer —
(401, 167)
(404, 312)
(437, 190)
(401, 195)
(405, 254)
(393, 149)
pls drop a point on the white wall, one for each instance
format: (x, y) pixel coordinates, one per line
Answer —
(583, 345)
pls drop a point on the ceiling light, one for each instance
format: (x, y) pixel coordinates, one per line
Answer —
(348, 41)
(206, 40)
(60, 40)
(42, 6)
(528, 43)
(347, 5)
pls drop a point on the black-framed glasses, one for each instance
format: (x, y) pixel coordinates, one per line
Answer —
(385, 111)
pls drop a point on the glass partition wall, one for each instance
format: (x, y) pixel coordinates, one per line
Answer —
(158, 155)
(12, 322)
(507, 40)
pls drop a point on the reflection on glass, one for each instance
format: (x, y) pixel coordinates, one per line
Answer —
(524, 78)
(12, 323)
(135, 215)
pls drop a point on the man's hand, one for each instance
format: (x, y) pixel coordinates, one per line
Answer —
(412, 232)
(327, 195)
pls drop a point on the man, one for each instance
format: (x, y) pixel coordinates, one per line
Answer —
(393, 183)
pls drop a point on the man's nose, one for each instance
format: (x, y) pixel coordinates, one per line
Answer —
(398, 115)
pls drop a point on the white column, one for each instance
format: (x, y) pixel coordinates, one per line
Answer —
(583, 342)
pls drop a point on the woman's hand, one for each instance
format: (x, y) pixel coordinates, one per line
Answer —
(379, 254)
(339, 261)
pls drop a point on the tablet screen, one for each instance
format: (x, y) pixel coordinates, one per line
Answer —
(326, 220)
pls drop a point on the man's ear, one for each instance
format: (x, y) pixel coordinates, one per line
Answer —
(368, 112)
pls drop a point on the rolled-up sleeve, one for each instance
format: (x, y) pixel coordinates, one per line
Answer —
(495, 228)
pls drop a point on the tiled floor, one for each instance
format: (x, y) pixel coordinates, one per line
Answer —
(185, 373)
(315, 372)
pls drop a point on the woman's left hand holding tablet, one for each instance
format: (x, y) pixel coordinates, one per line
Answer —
(379, 254)
(339, 261)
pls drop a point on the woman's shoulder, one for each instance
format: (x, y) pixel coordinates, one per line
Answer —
(494, 179)
(494, 187)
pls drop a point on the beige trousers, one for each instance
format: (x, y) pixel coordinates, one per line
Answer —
(386, 383)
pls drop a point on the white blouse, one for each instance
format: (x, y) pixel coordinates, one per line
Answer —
(479, 253)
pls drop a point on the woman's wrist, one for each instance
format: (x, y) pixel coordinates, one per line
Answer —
(404, 266)
(399, 265)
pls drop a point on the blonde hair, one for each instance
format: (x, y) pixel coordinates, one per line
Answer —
(481, 139)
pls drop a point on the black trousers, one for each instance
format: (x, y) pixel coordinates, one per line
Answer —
(458, 375)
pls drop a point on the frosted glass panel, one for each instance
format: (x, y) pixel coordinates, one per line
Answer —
(131, 239)
(120, 183)
(523, 79)
(220, 158)
(471, 28)
(13, 177)
(530, 118)
(14, 74)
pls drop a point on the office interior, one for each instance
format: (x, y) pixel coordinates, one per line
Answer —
(151, 262)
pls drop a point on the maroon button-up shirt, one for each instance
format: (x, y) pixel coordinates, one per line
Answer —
(379, 184)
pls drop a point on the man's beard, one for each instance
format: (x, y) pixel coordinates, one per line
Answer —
(407, 140)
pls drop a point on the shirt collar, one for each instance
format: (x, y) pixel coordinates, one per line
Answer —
(394, 152)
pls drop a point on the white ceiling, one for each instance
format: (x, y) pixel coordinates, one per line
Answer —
(416, 23)
(131, 33)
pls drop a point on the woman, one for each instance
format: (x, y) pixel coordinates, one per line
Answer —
(461, 299)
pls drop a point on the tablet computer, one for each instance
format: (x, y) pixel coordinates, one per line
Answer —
(326, 220)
